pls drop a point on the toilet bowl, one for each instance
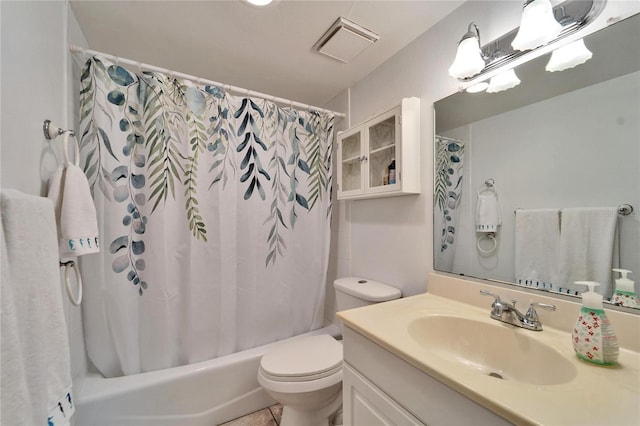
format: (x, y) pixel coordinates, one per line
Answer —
(305, 374)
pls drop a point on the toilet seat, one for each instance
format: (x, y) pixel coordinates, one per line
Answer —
(305, 364)
(307, 358)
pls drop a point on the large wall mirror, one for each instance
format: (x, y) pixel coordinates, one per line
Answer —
(563, 142)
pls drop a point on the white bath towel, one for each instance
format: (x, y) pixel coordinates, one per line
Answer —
(75, 211)
(537, 244)
(35, 362)
(587, 247)
(487, 212)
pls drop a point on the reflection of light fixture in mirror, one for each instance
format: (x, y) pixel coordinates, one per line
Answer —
(469, 60)
(477, 88)
(538, 26)
(569, 56)
(259, 2)
(503, 81)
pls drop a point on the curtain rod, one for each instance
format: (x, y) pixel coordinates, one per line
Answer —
(444, 138)
(227, 87)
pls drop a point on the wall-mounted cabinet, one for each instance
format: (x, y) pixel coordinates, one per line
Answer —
(366, 152)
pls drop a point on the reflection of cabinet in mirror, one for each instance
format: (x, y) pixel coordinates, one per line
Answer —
(366, 151)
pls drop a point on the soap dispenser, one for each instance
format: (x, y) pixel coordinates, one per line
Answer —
(594, 339)
(625, 294)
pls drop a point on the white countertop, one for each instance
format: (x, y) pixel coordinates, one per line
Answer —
(595, 396)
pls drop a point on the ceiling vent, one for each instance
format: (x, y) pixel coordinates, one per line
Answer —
(345, 40)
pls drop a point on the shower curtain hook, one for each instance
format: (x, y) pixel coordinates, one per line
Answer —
(139, 67)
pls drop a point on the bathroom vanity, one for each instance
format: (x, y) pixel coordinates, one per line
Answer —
(431, 359)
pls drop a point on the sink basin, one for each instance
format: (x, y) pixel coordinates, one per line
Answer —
(498, 350)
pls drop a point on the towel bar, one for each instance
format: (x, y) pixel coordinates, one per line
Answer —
(52, 131)
(623, 209)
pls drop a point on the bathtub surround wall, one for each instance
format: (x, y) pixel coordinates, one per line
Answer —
(38, 83)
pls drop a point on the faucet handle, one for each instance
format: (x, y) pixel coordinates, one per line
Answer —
(497, 307)
(532, 315)
(490, 293)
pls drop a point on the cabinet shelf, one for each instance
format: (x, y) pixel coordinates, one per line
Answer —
(351, 159)
(384, 148)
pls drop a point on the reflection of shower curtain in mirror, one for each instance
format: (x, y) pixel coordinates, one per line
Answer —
(447, 196)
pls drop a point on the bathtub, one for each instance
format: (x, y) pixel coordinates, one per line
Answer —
(205, 393)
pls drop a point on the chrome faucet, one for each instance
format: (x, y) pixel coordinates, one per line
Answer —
(508, 313)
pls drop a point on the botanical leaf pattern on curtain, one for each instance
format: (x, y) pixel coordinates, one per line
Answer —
(448, 186)
(184, 140)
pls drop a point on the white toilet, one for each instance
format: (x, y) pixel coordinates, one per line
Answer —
(305, 374)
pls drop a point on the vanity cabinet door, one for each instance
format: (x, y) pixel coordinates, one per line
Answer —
(366, 405)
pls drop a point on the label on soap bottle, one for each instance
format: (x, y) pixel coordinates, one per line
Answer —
(593, 337)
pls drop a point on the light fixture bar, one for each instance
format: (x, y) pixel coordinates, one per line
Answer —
(583, 11)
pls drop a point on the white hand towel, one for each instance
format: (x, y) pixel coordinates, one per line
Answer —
(537, 244)
(487, 212)
(35, 361)
(587, 247)
(75, 211)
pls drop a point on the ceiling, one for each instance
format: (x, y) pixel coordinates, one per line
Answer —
(266, 49)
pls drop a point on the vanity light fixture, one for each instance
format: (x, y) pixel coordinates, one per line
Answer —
(503, 81)
(537, 27)
(569, 56)
(469, 60)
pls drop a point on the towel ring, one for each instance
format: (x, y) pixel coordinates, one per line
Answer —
(75, 300)
(491, 236)
(488, 185)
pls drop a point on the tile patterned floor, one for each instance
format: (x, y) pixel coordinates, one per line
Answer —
(268, 417)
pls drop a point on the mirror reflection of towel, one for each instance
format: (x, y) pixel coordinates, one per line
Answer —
(537, 244)
(588, 247)
(487, 212)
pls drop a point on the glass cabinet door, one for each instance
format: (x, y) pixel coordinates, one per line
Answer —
(382, 153)
(352, 162)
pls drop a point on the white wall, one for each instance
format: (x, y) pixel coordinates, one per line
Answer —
(390, 239)
(36, 86)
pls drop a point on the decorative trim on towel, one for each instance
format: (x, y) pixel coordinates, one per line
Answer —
(63, 410)
(487, 228)
(79, 246)
(542, 285)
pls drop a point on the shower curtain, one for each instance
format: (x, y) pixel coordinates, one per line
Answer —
(447, 196)
(214, 214)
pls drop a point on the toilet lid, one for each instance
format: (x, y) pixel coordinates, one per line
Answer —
(311, 357)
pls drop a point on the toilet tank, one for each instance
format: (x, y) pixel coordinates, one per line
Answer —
(354, 292)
